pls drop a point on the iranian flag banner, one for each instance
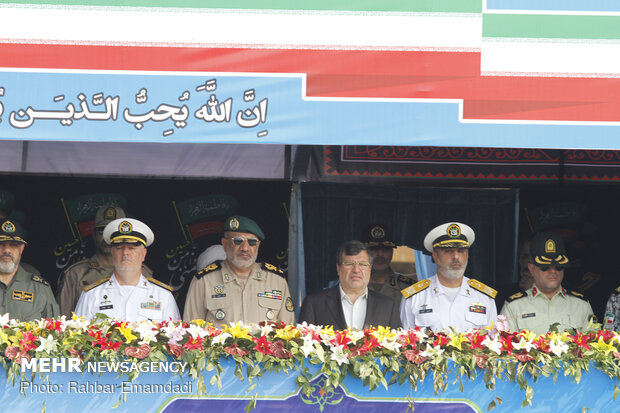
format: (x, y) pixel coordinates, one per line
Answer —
(493, 73)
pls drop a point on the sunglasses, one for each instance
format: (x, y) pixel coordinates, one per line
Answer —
(546, 268)
(252, 242)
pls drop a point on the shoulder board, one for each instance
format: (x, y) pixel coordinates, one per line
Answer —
(415, 288)
(406, 280)
(272, 268)
(213, 267)
(483, 288)
(82, 262)
(97, 283)
(516, 296)
(578, 295)
(39, 279)
(617, 290)
(159, 283)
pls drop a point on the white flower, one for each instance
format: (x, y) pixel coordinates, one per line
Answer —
(79, 323)
(339, 355)
(558, 347)
(174, 333)
(492, 345)
(146, 331)
(355, 335)
(266, 329)
(47, 344)
(432, 351)
(524, 344)
(195, 331)
(220, 339)
(5, 320)
(308, 348)
(390, 344)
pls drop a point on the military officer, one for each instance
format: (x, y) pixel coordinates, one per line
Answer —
(612, 311)
(448, 298)
(382, 279)
(25, 296)
(239, 288)
(85, 272)
(127, 294)
(547, 302)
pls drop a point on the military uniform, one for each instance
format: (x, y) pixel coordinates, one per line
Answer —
(612, 312)
(27, 297)
(393, 286)
(427, 305)
(217, 295)
(532, 310)
(148, 300)
(79, 276)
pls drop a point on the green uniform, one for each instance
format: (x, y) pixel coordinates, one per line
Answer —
(392, 286)
(80, 275)
(532, 310)
(217, 295)
(27, 297)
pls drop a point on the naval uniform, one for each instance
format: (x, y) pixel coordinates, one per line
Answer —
(79, 276)
(393, 286)
(27, 297)
(218, 296)
(148, 300)
(534, 311)
(426, 304)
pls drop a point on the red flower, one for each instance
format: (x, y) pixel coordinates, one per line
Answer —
(341, 339)
(262, 345)
(541, 344)
(27, 343)
(175, 350)
(606, 334)
(475, 340)
(278, 350)
(75, 353)
(11, 352)
(441, 340)
(234, 350)
(138, 353)
(523, 357)
(52, 324)
(506, 341)
(410, 339)
(194, 343)
(414, 356)
(581, 340)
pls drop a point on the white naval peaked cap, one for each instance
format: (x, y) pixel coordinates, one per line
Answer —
(449, 235)
(128, 230)
(210, 255)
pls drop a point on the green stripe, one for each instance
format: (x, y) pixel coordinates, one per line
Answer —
(551, 27)
(429, 6)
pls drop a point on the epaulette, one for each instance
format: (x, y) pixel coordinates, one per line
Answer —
(578, 295)
(96, 283)
(210, 268)
(159, 283)
(39, 279)
(405, 280)
(516, 296)
(415, 288)
(272, 268)
(483, 288)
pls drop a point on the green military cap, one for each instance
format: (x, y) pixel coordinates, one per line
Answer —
(11, 230)
(107, 214)
(548, 249)
(238, 223)
(377, 235)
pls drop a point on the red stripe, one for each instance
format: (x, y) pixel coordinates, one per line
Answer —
(357, 73)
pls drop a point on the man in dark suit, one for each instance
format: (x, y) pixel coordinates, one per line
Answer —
(351, 304)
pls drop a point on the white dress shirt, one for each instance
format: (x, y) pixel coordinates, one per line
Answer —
(354, 312)
(145, 301)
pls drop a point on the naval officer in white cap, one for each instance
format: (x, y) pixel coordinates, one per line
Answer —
(127, 294)
(448, 298)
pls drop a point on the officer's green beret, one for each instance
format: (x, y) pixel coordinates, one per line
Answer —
(238, 223)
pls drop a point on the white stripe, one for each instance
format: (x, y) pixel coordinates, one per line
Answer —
(209, 27)
(578, 58)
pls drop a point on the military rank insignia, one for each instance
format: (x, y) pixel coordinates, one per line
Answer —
(477, 308)
(22, 296)
(273, 294)
(289, 305)
(151, 305)
(219, 292)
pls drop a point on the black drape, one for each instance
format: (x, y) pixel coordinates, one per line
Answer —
(334, 212)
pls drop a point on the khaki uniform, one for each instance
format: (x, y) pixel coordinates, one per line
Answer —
(27, 297)
(532, 310)
(392, 286)
(80, 275)
(217, 295)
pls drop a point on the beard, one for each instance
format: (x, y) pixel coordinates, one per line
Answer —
(452, 274)
(242, 262)
(8, 267)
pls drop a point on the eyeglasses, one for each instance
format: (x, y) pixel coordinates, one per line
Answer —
(364, 265)
(546, 268)
(252, 242)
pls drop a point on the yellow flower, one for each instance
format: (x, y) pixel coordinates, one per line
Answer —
(4, 338)
(457, 340)
(199, 322)
(238, 332)
(528, 335)
(602, 346)
(328, 330)
(382, 332)
(287, 333)
(127, 333)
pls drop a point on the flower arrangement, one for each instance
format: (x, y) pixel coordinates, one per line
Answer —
(377, 356)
